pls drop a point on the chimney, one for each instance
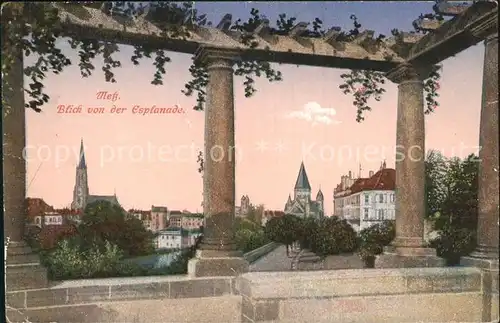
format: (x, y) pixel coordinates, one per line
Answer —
(370, 173)
(342, 180)
(350, 174)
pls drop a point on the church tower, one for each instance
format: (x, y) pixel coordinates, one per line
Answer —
(81, 190)
(302, 190)
(320, 201)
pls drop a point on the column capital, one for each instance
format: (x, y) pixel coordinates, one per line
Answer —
(216, 57)
(491, 38)
(407, 72)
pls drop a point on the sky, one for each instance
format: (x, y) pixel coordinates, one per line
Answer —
(151, 159)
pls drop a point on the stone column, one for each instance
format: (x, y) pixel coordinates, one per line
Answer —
(408, 248)
(488, 185)
(23, 267)
(218, 255)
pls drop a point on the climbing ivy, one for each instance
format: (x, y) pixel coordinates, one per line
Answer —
(364, 85)
(37, 26)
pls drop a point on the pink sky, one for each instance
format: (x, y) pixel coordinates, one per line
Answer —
(267, 177)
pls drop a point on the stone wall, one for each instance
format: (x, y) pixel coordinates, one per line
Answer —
(370, 295)
(375, 295)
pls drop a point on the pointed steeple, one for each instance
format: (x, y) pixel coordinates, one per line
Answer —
(302, 180)
(319, 196)
(289, 199)
(82, 164)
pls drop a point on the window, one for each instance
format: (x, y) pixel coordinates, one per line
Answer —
(366, 213)
(367, 198)
(381, 214)
(392, 198)
(381, 198)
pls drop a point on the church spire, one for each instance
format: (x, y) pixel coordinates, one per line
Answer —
(82, 164)
(302, 180)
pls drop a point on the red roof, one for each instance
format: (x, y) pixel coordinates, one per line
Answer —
(67, 211)
(36, 207)
(383, 180)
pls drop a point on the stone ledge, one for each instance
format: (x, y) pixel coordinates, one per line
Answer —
(357, 282)
(256, 254)
(102, 290)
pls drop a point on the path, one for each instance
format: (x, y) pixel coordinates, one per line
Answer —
(276, 260)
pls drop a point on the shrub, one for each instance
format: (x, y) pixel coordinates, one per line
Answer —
(308, 231)
(104, 221)
(333, 237)
(285, 229)
(247, 240)
(67, 261)
(454, 243)
(50, 236)
(372, 240)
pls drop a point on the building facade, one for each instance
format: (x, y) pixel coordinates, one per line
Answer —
(81, 196)
(302, 205)
(176, 238)
(368, 201)
(159, 218)
(244, 208)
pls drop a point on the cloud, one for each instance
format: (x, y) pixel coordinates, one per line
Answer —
(313, 112)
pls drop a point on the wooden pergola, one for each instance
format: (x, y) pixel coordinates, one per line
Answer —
(407, 59)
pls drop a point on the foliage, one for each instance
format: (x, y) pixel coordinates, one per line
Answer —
(372, 240)
(68, 261)
(103, 221)
(454, 243)
(308, 231)
(364, 85)
(249, 234)
(248, 240)
(451, 188)
(333, 237)
(284, 229)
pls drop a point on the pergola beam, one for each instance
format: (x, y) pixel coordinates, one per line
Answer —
(290, 49)
(456, 34)
(445, 8)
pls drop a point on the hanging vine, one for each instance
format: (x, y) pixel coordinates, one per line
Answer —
(248, 69)
(364, 85)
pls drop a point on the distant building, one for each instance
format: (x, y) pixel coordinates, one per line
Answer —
(192, 221)
(346, 182)
(159, 217)
(368, 201)
(81, 196)
(244, 208)
(176, 238)
(144, 216)
(302, 205)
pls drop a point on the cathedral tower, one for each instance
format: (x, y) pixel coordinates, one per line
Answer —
(81, 189)
(302, 189)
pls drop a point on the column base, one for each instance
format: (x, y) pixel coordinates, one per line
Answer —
(23, 270)
(217, 263)
(478, 260)
(401, 257)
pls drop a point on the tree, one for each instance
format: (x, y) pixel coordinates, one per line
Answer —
(452, 204)
(105, 222)
(285, 230)
(451, 190)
